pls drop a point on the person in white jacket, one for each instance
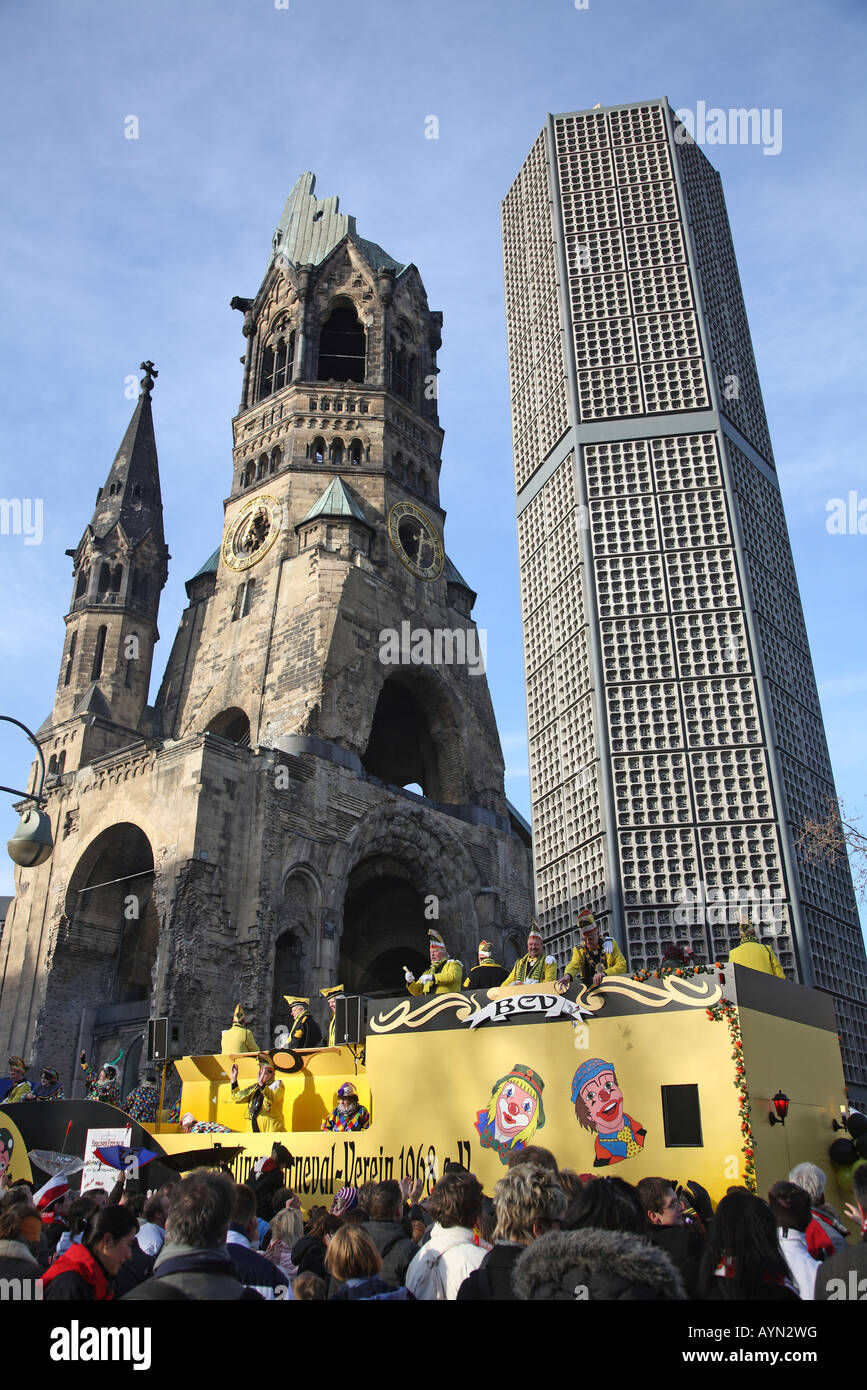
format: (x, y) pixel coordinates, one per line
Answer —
(453, 1251)
(792, 1211)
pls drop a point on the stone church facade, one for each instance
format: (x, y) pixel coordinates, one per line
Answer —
(256, 832)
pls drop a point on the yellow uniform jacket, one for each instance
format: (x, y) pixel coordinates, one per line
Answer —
(755, 956)
(542, 971)
(438, 979)
(237, 1039)
(269, 1118)
(613, 960)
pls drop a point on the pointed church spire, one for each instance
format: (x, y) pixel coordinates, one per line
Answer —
(131, 495)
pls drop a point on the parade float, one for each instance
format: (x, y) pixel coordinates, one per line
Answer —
(723, 1075)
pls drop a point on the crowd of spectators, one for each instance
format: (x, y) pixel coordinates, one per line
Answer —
(545, 1233)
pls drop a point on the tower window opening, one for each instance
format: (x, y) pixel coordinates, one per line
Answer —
(342, 347)
(336, 452)
(104, 580)
(70, 658)
(317, 449)
(81, 586)
(98, 654)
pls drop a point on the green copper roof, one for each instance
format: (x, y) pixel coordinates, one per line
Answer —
(211, 565)
(454, 576)
(336, 500)
(311, 227)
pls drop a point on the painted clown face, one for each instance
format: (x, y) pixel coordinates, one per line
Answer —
(515, 1110)
(604, 1100)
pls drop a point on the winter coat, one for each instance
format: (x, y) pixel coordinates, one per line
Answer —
(253, 1270)
(77, 1276)
(826, 1229)
(396, 1250)
(265, 1188)
(684, 1246)
(308, 1255)
(439, 1269)
(595, 1265)
(17, 1262)
(493, 1278)
(201, 1274)
(372, 1288)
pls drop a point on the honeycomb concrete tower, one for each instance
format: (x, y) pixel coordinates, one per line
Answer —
(676, 738)
(320, 780)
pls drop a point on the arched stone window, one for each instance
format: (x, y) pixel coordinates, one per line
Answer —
(316, 449)
(276, 460)
(249, 475)
(113, 924)
(83, 580)
(275, 366)
(415, 740)
(336, 453)
(70, 659)
(342, 345)
(356, 451)
(261, 467)
(104, 579)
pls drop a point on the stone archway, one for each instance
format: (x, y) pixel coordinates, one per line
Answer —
(112, 926)
(384, 928)
(295, 930)
(405, 871)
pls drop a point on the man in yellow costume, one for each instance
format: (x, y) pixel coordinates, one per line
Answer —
(593, 959)
(238, 1038)
(753, 954)
(264, 1098)
(20, 1088)
(332, 994)
(444, 974)
(535, 967)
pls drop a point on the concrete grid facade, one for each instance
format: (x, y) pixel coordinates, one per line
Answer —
(676, 738)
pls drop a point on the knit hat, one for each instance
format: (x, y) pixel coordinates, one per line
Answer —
(529, 1080)
(486, 950)
(344, 1200)
(594, 1066)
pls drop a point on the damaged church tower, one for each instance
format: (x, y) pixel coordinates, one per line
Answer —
(311, 791)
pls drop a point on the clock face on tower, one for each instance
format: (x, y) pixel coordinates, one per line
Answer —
(414, 537)
(252, 531)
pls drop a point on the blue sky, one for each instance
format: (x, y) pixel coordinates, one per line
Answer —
(114, 250)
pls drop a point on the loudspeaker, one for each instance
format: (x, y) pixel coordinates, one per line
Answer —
(165, 1039)
(350, 1020)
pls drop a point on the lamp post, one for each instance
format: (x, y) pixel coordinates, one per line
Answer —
(32, 842)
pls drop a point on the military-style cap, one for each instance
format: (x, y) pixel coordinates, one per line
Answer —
(332, 991)
(293, 999)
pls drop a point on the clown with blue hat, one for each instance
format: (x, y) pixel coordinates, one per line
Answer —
(598, 1102)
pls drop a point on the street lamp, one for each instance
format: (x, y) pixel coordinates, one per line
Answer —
(32, 843)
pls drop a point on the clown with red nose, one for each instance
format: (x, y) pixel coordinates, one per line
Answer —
(598, 1102)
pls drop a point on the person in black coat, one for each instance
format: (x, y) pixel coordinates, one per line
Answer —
(528, 1201)
(385, 1228)
(666, 1227)
(270, 1180)
(487, 974)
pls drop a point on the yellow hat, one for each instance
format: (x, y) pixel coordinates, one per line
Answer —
(293, 999)
(332, 991)
(239, 1016)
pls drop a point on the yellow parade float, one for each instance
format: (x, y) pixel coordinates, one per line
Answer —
(685, 1075)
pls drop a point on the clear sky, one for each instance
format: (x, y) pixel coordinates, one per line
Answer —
(115, 250)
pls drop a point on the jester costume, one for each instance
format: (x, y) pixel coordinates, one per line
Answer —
(106, 1091)
(344, 1121)
(142, 1103)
